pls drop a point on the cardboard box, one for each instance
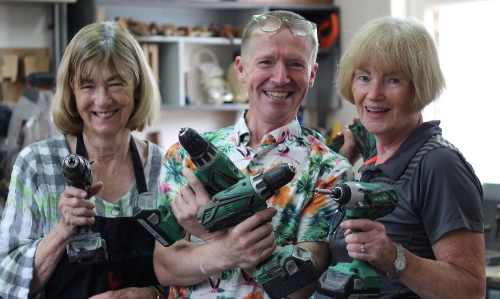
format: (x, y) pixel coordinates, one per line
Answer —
(8, 67)
(36, 64)
(21, 63)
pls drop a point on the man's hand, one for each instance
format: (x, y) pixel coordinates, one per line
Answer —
(250, 242)
(349, 149)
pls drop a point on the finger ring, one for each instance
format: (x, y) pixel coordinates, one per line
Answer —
(362, 247)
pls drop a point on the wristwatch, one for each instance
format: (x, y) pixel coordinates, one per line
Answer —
(400, 262)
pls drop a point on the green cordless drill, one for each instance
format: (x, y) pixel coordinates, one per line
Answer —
(157, 217)
(213, 167)
(216, 171)
(87, 247)
(222, 179)
(361, 201)
(240, 201)
(365, 141)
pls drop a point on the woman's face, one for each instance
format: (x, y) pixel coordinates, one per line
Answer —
(382, 100)
(104, 101)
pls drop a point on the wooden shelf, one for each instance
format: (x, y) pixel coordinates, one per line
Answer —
(189, 39)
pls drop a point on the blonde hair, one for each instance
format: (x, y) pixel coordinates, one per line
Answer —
(95, 45)
(397, 45)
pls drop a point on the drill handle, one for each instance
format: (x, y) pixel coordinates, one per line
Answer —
(84, 229)
(365, 141)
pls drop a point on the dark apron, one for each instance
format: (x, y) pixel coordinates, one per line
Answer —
(130, 252)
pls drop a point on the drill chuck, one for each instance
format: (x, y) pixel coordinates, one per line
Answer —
(266, 183)
(201, 152)
(341, 194)
(77, 172)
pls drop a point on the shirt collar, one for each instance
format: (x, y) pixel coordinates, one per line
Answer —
(241, 132)
(408, 149)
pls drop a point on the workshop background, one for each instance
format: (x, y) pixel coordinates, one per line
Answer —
(33, 35)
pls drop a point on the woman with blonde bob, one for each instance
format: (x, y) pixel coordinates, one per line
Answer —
(105, 90)
(432, 244)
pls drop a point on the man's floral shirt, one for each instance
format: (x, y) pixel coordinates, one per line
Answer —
(302, 215)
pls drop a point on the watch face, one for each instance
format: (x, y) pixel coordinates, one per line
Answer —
(400, 264)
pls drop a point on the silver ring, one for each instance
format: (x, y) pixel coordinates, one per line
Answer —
(362, 247)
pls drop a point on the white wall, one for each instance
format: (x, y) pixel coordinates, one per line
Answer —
(26, 25)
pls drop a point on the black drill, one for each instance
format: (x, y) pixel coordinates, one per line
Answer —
(87, 247)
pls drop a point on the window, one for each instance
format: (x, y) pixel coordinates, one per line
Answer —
(468, 37)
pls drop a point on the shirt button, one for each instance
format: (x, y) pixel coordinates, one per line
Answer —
(115, 211)
(281, 146)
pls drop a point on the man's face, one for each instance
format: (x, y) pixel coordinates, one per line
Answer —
(277, 70)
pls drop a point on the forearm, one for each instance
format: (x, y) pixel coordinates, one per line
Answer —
(437, 279)
(48, 254)
(185, 263)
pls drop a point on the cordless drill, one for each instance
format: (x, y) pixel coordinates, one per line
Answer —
(365, 141)
(87, 247)
(217, 173)
(361, 201)
(240, 201)
(247, 197)
(213, 167)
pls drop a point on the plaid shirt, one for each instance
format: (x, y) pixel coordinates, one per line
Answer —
(302, 215)
(31, 211)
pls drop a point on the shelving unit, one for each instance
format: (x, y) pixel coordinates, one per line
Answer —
(176, 67)
(175, 53)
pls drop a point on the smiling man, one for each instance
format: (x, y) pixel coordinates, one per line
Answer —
(278, 66)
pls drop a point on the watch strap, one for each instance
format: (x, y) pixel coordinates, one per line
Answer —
(400, 255)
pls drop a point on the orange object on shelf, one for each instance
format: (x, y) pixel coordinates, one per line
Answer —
(328, 31)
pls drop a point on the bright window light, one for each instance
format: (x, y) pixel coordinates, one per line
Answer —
(468, 34)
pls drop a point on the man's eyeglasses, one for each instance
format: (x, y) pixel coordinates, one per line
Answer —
(298, 27)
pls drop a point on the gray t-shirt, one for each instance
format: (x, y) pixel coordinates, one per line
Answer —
(437, 191)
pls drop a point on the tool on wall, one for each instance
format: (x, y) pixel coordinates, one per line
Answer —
(328, 31)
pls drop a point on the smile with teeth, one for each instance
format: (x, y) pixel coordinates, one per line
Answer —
(377, 110)
(277, 95)
(104, 114)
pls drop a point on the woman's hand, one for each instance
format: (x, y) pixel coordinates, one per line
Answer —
(369, 243)
(76, 209)
(186, 204)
